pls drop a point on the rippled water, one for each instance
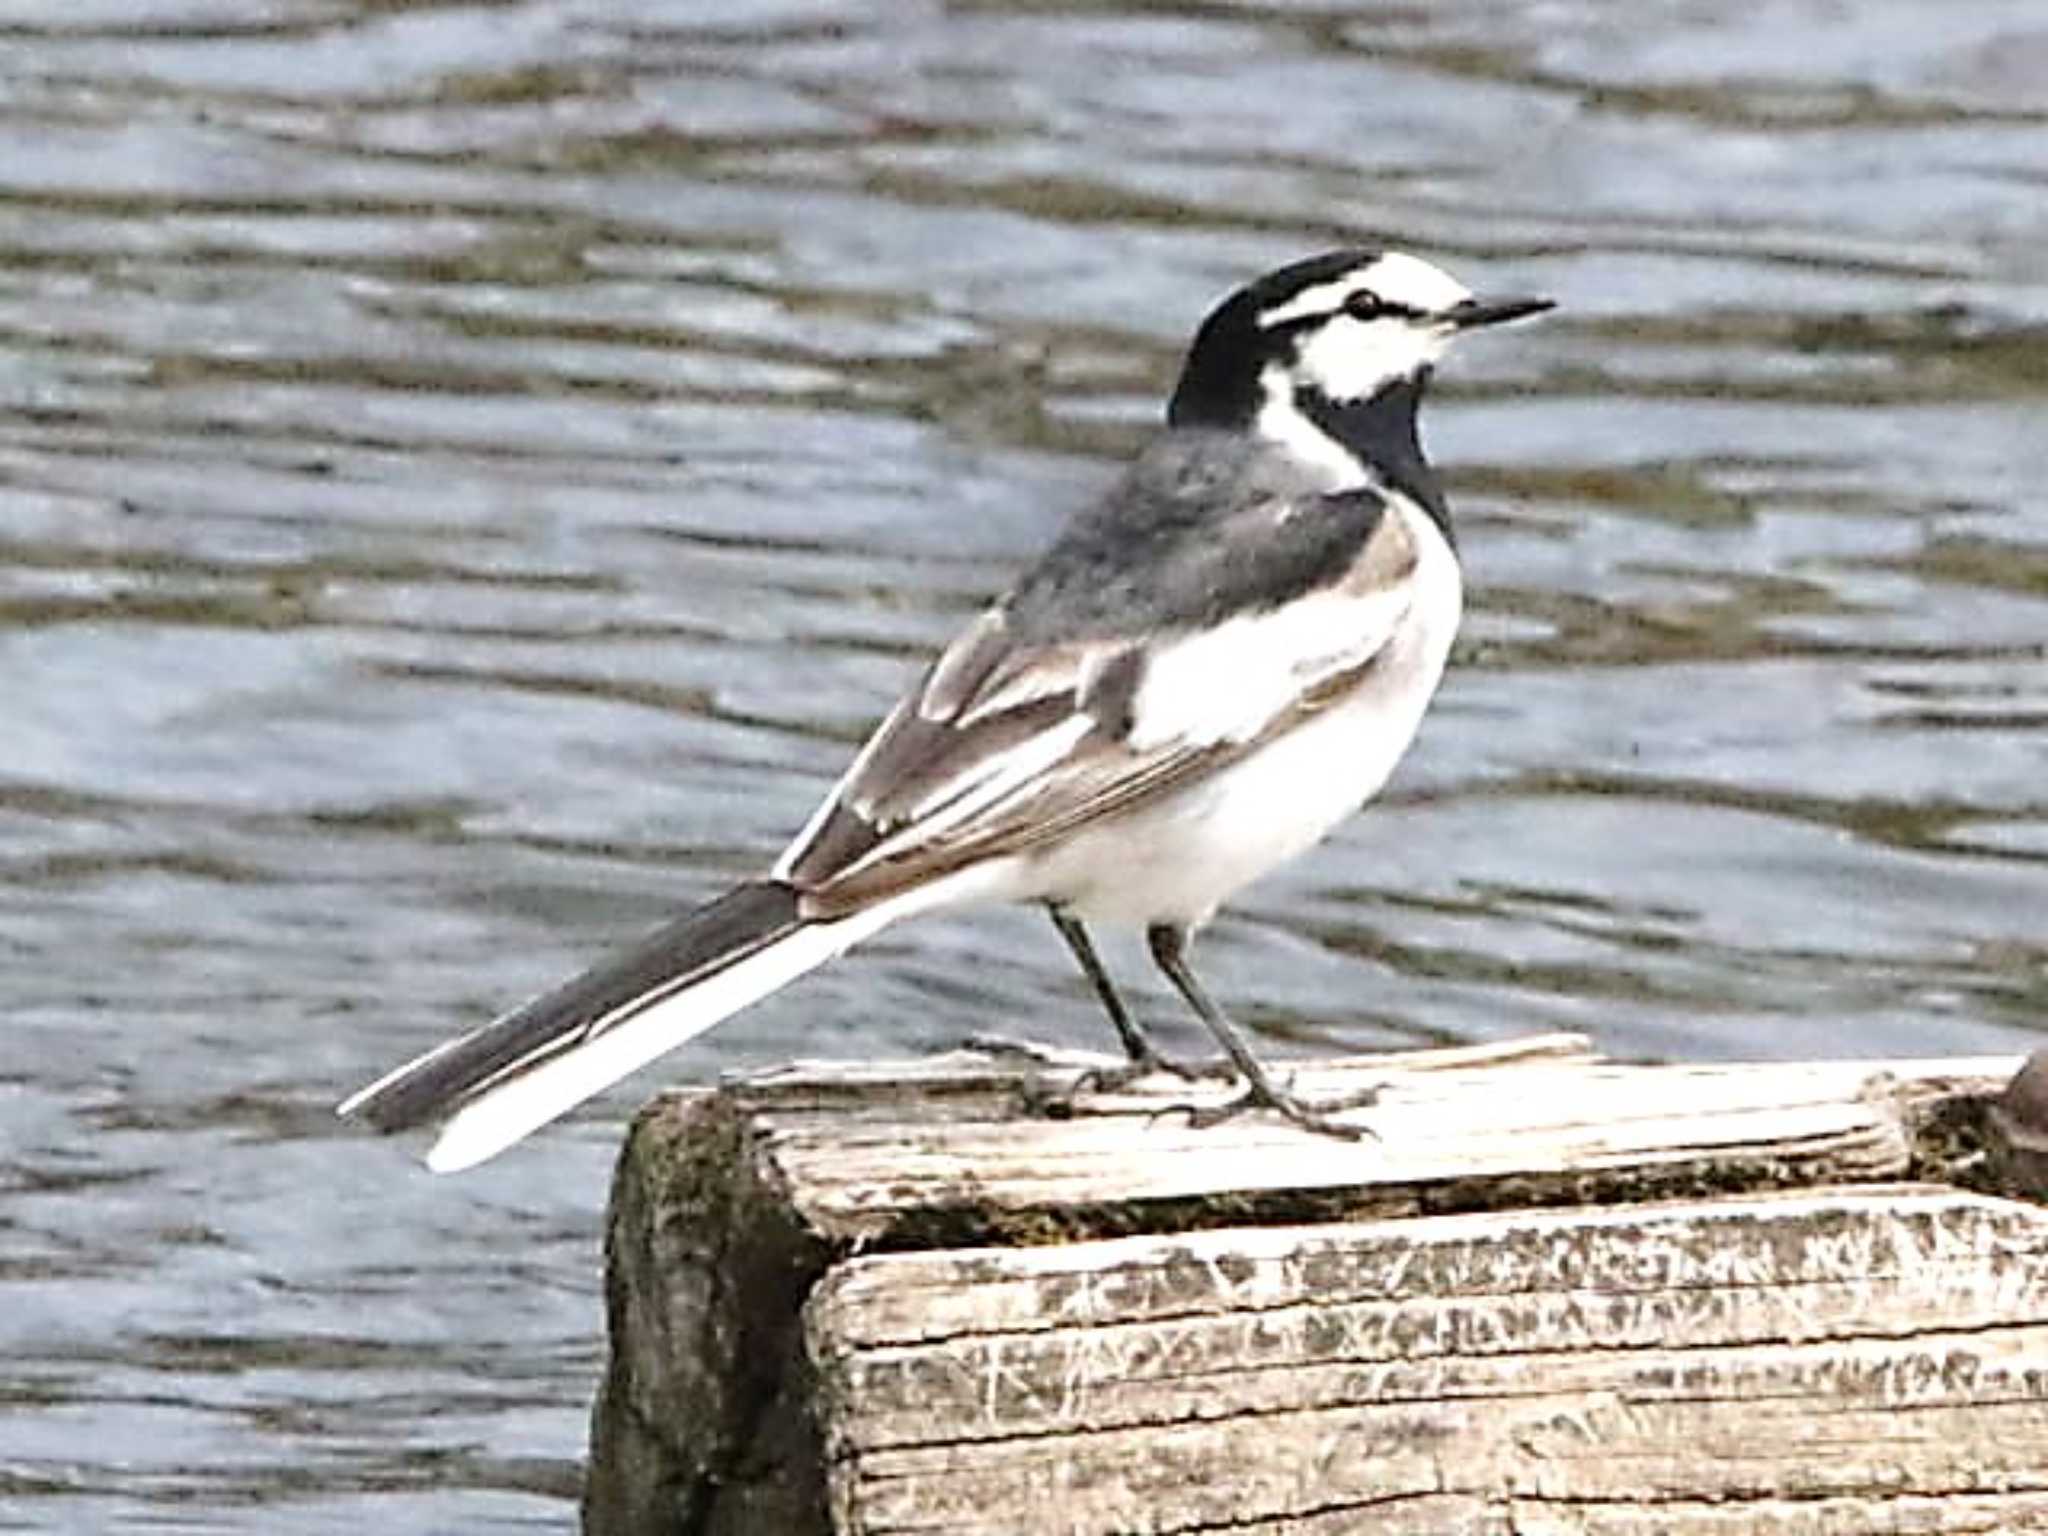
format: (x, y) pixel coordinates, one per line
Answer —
(469, 471)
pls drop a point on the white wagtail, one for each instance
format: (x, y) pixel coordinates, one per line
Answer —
(1213, 665)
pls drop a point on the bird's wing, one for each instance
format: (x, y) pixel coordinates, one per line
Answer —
(1010, 741)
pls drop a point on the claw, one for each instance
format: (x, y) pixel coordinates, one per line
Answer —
(1309, 1114)
(1117, 1079)
(1059, 1103)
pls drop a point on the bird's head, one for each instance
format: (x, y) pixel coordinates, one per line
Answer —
(1302, 355)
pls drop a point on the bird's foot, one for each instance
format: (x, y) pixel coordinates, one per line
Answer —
(1309, 1114)
(1061, 1101)
(1151, 1064)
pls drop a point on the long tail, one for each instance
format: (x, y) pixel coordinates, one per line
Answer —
(541, 1060)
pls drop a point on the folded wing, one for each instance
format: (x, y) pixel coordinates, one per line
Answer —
(1019, 734)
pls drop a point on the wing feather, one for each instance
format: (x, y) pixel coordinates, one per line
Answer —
(1008, 743)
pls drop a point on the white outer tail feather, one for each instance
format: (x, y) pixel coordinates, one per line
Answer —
(523, 1104)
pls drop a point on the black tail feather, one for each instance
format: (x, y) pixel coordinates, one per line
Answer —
(696, 945)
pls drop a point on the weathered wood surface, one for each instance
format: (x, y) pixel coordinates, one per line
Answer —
(1557, 1295)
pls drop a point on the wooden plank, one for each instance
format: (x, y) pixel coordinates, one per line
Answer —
(1793, 1256)
(1446, 1131)
(1555, 1295)
(1757, 1350)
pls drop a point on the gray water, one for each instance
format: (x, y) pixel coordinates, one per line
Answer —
(469, 473)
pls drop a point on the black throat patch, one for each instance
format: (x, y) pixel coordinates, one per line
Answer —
(1381, 430)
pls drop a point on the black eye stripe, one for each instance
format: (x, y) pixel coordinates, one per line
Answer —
(1364, 305)
(1361, 305)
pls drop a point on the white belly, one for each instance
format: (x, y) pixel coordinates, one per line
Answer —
(1177, 860)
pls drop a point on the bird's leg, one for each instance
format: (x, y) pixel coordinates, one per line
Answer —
(1169, 945)
(1145, 1058)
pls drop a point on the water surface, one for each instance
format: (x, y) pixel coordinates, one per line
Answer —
(470, 472)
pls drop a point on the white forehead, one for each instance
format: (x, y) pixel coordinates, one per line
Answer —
(1397, 277)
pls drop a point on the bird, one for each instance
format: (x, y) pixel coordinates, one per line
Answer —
(1213, 664)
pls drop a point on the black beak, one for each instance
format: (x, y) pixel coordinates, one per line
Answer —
(1474, 313)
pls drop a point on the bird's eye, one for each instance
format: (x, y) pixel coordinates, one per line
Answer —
(1367, 305)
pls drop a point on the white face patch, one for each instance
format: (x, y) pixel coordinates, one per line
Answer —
(1346, 358)
(1349, 359)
